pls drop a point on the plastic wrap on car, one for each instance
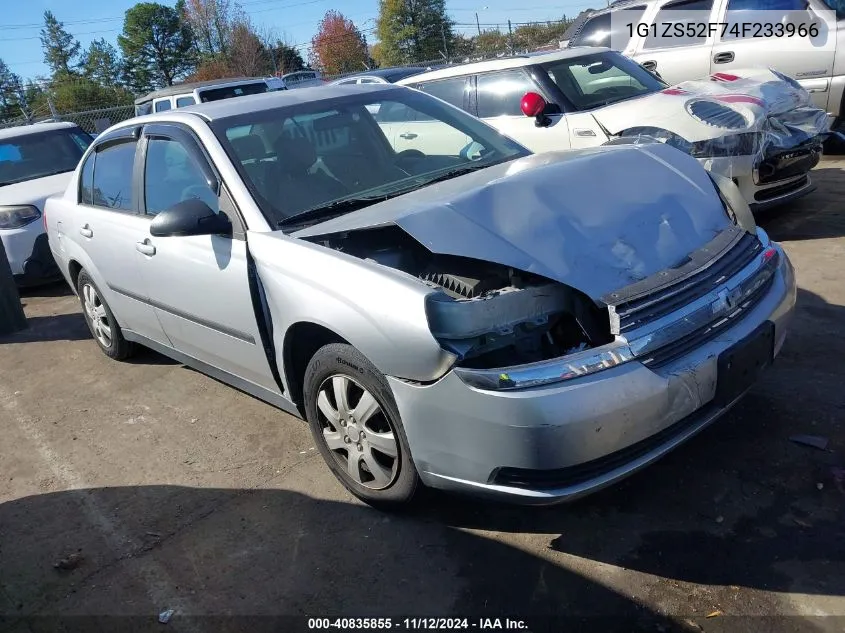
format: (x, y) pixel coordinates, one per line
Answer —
(764, 115)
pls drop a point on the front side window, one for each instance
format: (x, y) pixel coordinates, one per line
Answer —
(599, 79)
(500, 94)
(163, 105)
(183, 102)
(41, 154)
(450, 90)
(112, 180)
(171, 175)
(330, 157)
(144, 108)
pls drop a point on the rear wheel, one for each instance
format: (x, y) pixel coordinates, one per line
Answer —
(356, 426)
(101, 321)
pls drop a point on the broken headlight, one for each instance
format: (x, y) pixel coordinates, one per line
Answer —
(729, 145)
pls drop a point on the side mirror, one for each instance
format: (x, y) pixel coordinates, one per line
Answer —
(533, 105)
(190, 217)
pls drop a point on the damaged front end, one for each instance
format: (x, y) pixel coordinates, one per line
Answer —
(767, 118)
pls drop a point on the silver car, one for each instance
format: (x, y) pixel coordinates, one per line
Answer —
(473, 318)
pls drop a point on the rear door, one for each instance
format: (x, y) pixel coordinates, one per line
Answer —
(108, 222)
(199, 286)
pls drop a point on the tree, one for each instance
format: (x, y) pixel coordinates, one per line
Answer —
(60, 47)
(248, 56)
(13, 103)
(529, 37)
(285, 58)
(413, 31)
(157, 46)
(338, 47)
(490, 44)
(213, 23)
(101, 63)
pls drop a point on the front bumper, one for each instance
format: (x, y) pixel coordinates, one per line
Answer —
(29, 254)
(561, 441)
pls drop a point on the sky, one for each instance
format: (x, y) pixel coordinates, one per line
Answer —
(293, 21)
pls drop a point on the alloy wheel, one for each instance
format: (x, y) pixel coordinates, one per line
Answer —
(356, 430)
(97, 316)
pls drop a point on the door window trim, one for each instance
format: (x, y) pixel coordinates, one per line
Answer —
(522, 70)
(116, 137)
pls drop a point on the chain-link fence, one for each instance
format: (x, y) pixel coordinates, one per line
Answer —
(96, 121)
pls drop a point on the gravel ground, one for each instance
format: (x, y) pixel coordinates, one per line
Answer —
(160, 488)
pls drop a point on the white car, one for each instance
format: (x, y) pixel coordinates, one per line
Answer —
(36, 161)
(817, 61)
(760, 130)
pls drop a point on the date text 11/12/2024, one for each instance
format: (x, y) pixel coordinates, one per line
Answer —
(416, 624)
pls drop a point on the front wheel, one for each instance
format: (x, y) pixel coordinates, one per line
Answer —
(356, 426)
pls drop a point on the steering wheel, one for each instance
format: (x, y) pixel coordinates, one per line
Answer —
(409, 154)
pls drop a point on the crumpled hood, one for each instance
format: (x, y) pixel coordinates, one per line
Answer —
(36, 191)
(757, 95)
(597, 219)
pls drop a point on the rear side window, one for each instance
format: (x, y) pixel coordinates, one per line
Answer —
(500, 94)
(685, 12)
(449, 90)
(112, 182)
(227, 92)
(183, 102)
(613, 32)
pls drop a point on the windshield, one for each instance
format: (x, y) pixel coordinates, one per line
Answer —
(601, 78)
(335, 155)
(41, 154)
(227, 92)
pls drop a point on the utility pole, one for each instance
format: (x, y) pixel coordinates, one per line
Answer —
(445, 46)
(477, 23)
(510, 37)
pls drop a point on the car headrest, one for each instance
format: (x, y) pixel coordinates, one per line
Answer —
(249, 147)
(295, 153)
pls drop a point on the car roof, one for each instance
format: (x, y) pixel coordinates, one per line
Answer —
(225, 108)
(503, 63)
(24, 130)
(177, 89)
(387, 72)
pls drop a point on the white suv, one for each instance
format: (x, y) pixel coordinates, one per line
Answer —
(36, 161)
(758, 130)
(188, 94)
(817, 62)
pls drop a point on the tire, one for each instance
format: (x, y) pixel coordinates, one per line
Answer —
(101, 322)
(359, 443)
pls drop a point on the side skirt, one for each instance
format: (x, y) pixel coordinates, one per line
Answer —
(274, 399)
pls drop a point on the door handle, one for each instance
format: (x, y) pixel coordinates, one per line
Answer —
(408, 135)
(86, 231)
(649, 65)
(723, 58)
(146, 248)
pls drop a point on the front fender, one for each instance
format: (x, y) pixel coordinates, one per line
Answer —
(378, 310)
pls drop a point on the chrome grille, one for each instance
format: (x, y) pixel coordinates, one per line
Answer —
(717, 114)
(644, 308)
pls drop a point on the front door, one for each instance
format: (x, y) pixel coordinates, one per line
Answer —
(199, 285)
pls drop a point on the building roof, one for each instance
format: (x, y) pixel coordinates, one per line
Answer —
(23, 130)
(178, 89)
(502, 63)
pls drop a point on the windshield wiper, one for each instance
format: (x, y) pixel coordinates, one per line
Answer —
(331, 210)
(457, 171)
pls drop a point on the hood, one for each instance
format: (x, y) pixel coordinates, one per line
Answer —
(743, 101)
(35, 191)
(596, 219)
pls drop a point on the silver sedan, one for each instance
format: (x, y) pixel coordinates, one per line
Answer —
(443, 307)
